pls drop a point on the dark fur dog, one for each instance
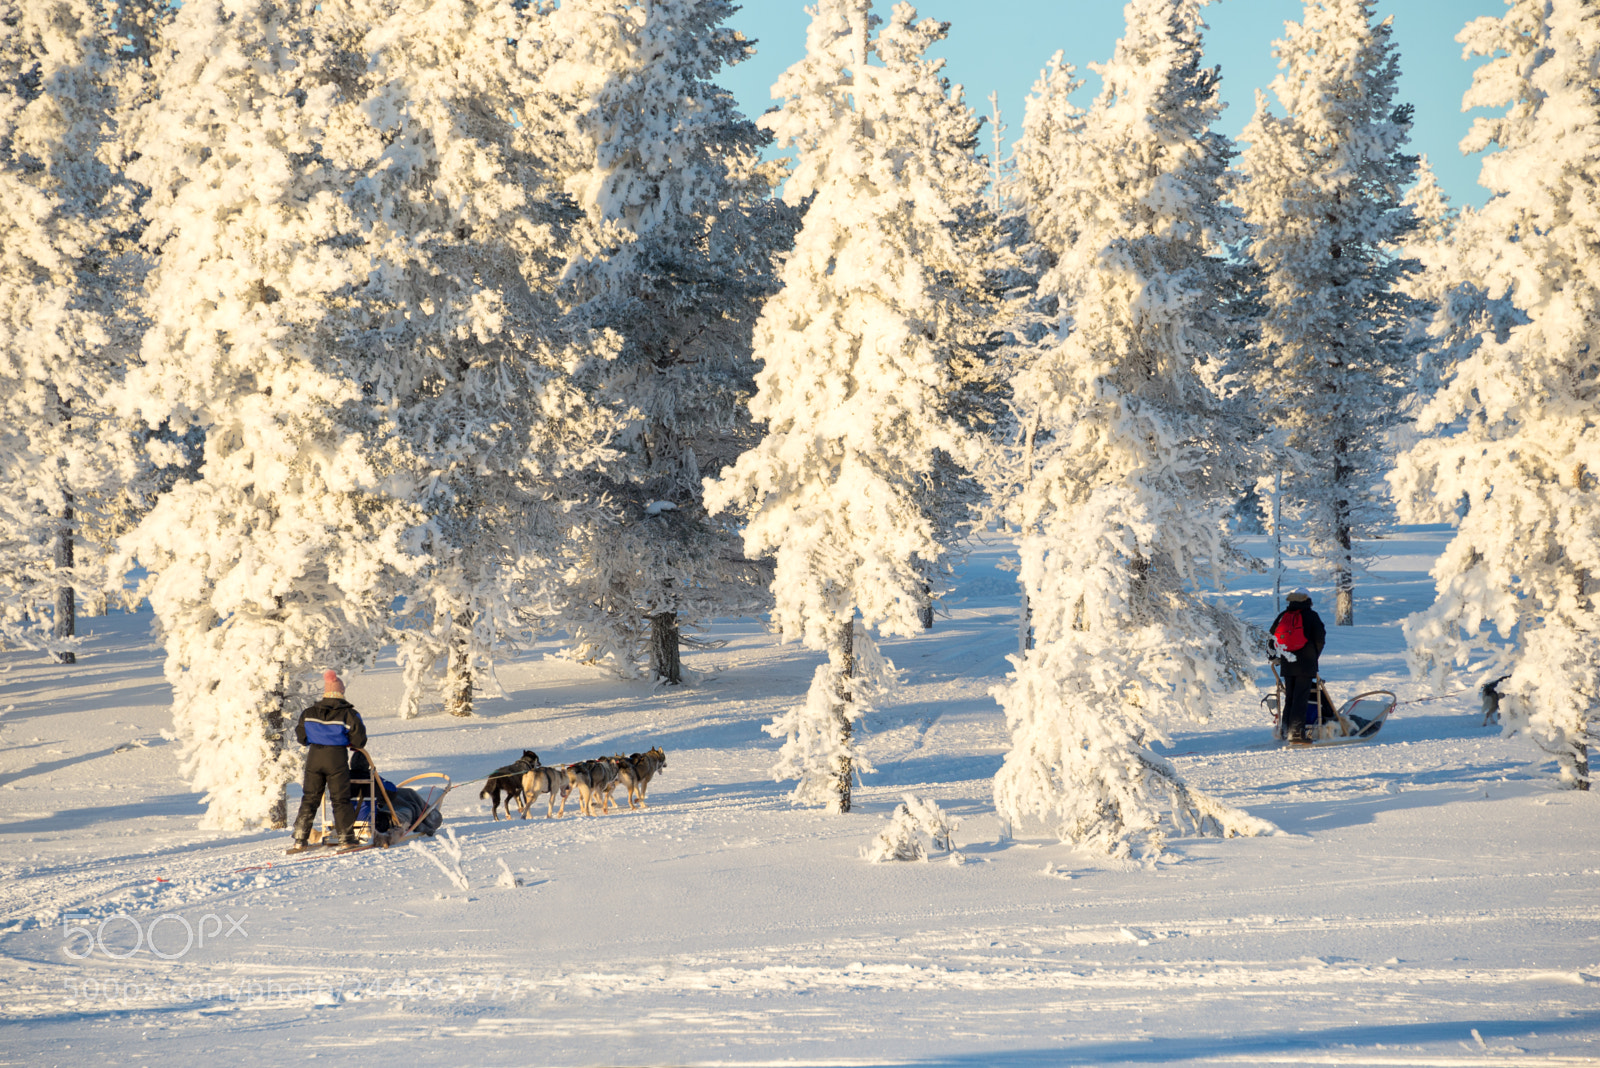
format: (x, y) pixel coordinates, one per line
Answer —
(506, 782)
(1491, 700)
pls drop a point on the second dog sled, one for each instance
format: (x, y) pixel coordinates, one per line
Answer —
(1358, 719)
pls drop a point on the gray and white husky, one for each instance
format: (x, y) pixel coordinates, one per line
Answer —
(548, 781)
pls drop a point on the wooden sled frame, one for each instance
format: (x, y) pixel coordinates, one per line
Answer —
(1347, 729)
(433, 798)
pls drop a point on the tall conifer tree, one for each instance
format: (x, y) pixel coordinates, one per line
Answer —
(67, 278)
(1509, 455)
(1135, 461)
(682, 235)
(343, 306)
(865, 359)
(1322, 194)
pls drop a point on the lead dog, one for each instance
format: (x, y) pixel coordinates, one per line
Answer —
(646, 766)
(548, 781)
(507, 781)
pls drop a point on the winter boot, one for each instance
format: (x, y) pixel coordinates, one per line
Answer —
(349, 841)
(300, 846)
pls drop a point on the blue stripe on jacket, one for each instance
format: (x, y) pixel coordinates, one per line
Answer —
(321, 732)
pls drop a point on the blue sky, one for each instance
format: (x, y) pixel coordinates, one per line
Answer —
(1000, 45)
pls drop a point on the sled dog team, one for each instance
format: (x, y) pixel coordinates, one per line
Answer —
(594, 780)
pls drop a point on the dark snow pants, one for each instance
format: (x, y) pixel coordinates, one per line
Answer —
(326, 768)
(1297, 690)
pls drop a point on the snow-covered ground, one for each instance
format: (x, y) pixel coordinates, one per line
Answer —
(1433, 900)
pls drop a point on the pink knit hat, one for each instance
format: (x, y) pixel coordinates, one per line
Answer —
(332, 684)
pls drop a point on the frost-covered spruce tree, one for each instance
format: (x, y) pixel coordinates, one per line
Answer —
(66, 275)
(1322, 194)
(1136, 463)
(1450, 312)
(1035, 225)
(679, 253)
(884, 296)
(1041, 191)
(280, 557)
(1509, 455)
(342, 305)
(466, 230)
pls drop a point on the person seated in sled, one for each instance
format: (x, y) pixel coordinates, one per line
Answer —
(369, 803)
(380, 808)
(1297, 640)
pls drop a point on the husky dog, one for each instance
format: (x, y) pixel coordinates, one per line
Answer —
(646, 766)
(507, 781)
(578, 778)
(603, 777)
(628, 777)
(548, 781)
(594, 780)
(1491, 695)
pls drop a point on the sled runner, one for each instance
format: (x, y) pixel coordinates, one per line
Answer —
(1357, 720)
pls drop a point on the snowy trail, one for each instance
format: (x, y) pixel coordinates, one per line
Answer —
(1432, 900)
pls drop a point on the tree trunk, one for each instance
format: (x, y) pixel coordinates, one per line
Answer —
(665, 663)
(1277, 543)
(278, 730)
(845, 669)
(925, 611)
(66, 598)
(277, 727)
(1024, 624)
(1580, 750)
(458, 675)
(1344, 611)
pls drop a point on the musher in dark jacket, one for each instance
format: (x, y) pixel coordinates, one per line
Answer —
(1299, 673)
(329, 727)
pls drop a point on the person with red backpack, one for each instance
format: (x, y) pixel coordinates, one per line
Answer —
(1297, 640)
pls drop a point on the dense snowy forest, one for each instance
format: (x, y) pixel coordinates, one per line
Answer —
(434, 328)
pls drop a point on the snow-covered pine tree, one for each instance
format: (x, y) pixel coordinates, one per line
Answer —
(468, 231)
(1449, 312)
(863, 354)
(1036, 225)
(1041, 191)
(1136, 461)
(1512, 434)
(343, 306)
(680, 253)
(1322, 194)
(278, 559)
(66, 279)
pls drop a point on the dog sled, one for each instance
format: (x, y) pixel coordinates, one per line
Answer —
(389, 813)
(1357, 720)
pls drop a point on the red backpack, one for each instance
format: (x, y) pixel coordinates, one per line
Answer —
(1291, 631)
